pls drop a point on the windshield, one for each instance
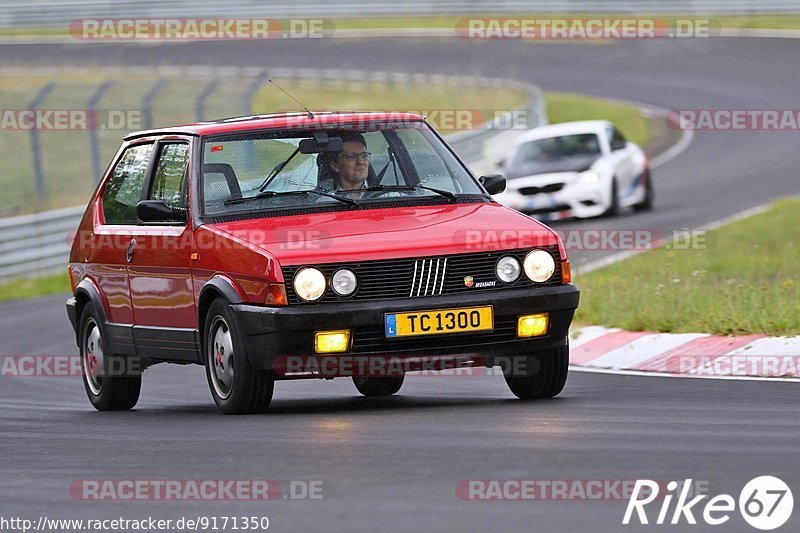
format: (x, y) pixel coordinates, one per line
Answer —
(270, 171)
(557, 148)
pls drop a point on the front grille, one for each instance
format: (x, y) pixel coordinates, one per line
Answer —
(552, 209)
(424, 270)
(423, 277)
(529, 191)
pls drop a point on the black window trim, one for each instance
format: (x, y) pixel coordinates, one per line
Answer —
(152, 166)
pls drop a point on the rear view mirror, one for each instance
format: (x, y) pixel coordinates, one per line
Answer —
(159, 211)
(494, 183)
(320, 143)
(618, 144)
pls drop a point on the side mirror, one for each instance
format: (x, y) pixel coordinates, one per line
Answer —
(159, 211)
(618, 144)
(494, 183)
(320, 143)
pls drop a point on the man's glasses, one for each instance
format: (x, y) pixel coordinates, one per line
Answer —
(353, 156)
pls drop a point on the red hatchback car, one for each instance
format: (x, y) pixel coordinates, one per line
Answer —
(303, 245)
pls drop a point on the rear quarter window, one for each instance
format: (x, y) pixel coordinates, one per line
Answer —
(124, 188)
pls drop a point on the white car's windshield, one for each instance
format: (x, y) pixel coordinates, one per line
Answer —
(557, 148)
(270, 170)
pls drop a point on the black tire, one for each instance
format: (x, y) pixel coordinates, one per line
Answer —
(613, 208)
(112, 382)
(378, 386)
(541, 375)
(647, 203)
(237, 388)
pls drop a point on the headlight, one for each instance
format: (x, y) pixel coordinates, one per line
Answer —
(309, 284)
(588, 177)
(343, 282)
(539, 266)
(508, 269)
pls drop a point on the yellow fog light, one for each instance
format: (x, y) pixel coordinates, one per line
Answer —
(332, 341)
(533, 325)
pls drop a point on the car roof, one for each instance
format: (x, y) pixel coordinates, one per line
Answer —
(297, 120)
(564, 128)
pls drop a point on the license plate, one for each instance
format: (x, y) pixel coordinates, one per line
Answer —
(439, 321)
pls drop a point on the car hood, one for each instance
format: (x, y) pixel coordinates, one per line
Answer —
(369, 234)
(572, 164)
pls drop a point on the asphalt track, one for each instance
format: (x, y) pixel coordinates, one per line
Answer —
(393, 464)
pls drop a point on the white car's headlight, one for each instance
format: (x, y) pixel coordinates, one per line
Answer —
(508, 269)
(344, 282)
(309, 284)
(539, 266)
(589, 177)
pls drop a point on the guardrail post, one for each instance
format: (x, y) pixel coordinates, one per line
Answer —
(247, 104)
(93, 143)
(147, 101)
(35, 146)
(252, 89)
(200, 103)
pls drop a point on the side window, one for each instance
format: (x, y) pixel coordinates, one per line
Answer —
(170, 174)
(124, 188)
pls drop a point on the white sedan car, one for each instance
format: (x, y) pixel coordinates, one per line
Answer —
(576, 169)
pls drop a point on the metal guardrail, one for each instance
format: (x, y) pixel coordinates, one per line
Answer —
(38, 243)
(61, 12)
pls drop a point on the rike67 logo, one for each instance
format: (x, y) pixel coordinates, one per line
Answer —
(765, 503)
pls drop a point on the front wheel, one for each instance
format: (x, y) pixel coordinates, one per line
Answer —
(237, 388)
(647, 202)
(378, 386)
(613, 204)
(541, 375)
(112, 382)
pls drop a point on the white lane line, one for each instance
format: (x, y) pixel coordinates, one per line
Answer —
(643, 349)
(666, 375)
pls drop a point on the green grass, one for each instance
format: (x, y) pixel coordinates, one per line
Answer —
(25, 288)
(565, 107)
(746, 280)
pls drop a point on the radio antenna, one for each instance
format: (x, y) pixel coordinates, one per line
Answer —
(310, 114)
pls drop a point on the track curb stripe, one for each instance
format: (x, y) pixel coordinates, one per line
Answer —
(695, 354)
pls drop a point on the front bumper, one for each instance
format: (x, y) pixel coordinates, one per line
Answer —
(270, 333)
(574, 200)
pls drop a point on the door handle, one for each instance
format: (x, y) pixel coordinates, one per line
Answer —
(131, 249)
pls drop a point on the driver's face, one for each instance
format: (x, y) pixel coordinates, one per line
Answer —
(353, 170)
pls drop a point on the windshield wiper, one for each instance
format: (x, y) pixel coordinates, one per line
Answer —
(447, 194)
(277, 170)
(271, 194)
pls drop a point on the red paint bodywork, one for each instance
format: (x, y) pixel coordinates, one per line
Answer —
(161, 285)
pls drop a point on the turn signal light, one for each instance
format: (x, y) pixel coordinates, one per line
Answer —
(276, 294)
(533, 325)
(566, 273)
